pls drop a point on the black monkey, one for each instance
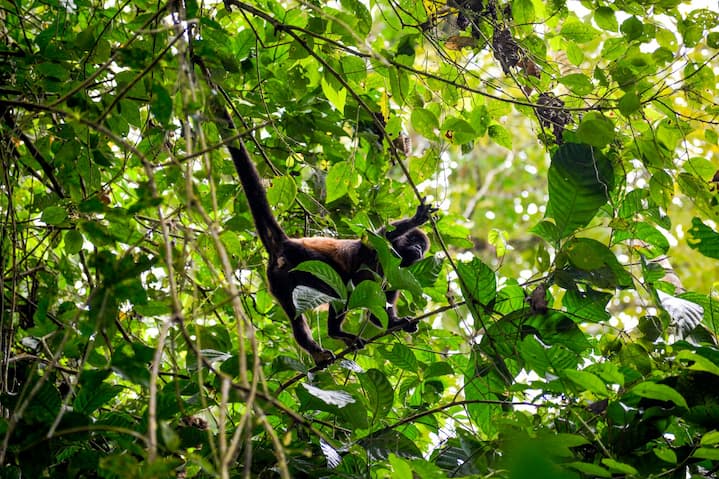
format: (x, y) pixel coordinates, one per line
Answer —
(351, 259)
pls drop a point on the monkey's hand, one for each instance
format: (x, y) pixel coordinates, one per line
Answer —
(424, 213)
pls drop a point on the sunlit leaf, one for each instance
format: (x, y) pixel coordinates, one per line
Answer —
(332, 397)
(703, 239)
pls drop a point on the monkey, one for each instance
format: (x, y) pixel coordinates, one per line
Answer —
(350, 258)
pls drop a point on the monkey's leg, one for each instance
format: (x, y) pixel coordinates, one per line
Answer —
(303, 336)
(395, 322)
(334, 329)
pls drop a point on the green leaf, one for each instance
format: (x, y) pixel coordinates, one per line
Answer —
(369, 294)
(596, 130)
(523, 12)
(161, 104)
(337, 97)
(619, 467)
(660, 392)
(438, 369)
(590, 470)
(667, 39)
(578, 32)
(656, 242)
(606, 19)
(661, 188)
(90, 399)
(632, 28)
(575, 54)
(153, 308)
(547, 231)
(500, 135)
(379, 392)
(130, 361)
(400, 467)
(360, 12)
(458, 130)
(589, 305)
(306, 299)
(325, 273)
(706, 453)
(281, 194)
(339, 180)
(713, 40)
(355, 68)
(402, 357)
(381, 444)
(587, 381)
(665, 454)
(73, 241)
(54, 71)
(703, 239)
(710, 438)
(53, 215)
(700, 167)
(580, 181)
(592, 256)
(425, 122)
(478, 281)
(629, 104)
(45, 406)
(699, 362)
(398, 278)
(578, 83)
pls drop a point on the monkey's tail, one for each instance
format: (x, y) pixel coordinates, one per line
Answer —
(270, 231)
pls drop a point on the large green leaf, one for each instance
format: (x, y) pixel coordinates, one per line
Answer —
(381, 444)
(327, 274)
(596, 263)
(703, 239)
(580, 182)
(378, 391)
(369, 294)
(661, 392)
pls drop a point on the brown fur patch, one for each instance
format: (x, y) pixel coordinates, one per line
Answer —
(342, 251)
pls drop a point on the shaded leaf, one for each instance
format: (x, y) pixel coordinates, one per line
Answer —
(327, 274)
(306, 299)
(580, 181)
(381, 444)
(661, 392)
(54, 215)
(379, 392)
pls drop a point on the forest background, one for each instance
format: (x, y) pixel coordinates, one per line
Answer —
(568, 307)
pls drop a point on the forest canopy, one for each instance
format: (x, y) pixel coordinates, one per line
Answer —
(567, 309)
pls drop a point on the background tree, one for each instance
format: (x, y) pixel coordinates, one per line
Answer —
(569, 308)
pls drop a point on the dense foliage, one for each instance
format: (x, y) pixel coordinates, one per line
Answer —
(568, 308)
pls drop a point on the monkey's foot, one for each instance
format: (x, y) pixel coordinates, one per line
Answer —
(355, 342)
(323, 357)
(406, 324)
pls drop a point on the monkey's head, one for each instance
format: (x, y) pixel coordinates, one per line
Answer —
(411, 246)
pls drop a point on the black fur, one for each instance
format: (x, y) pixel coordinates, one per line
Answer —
(350, 258)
